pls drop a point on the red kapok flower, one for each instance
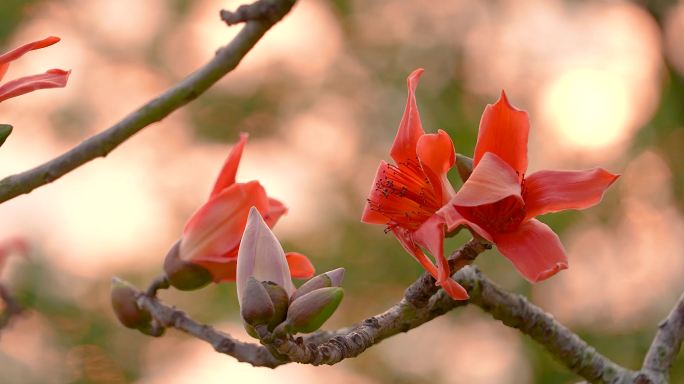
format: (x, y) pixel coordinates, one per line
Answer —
(53, 78)
(500, 203)
(211, 237)
(406, 195)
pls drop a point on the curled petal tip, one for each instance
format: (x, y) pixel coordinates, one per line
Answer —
(412, 80)
(454, 290)
(550, 272)
(49, 41)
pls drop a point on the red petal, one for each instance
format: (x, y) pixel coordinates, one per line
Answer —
(215, 229)
(18, 52)
(431, 236)
(436, 154)
(534, 249)
(300, 266)
(275, 210)
(503, 131)
(221, 269)
(371, 215)
(406, 241)
(553, 191)
(454, 219)
(54, 78)
(410, 129)
(492, 180)
(226, 177)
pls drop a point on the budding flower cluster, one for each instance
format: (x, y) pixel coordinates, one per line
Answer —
(267, 297)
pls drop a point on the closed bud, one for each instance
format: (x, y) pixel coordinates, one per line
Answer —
(256, 307)
(5, 130)
(464, 165)
(184, 275)
(280, 302)
(329, 279)
(125, 307)
(308, 312)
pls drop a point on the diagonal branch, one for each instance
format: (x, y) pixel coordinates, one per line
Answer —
(222, 343)
(226, 59)
(515, 311)
(666, 344)
(331, 347)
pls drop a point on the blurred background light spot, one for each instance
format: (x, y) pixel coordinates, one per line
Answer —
(587, 109)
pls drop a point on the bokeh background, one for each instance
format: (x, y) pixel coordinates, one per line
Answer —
(321, 96)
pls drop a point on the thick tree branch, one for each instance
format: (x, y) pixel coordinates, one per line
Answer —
(515, 311)
(226, 59)
(666, 344)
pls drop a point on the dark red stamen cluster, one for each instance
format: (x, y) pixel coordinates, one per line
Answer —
(404, 195)
(499, 217)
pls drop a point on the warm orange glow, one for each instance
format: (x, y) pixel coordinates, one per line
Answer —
(587, 108)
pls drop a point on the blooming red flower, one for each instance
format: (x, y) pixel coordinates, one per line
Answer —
(500, 203)
(53, 78)
(211, 237)
(404, 196)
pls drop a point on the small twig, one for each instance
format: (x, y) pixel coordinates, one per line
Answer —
(254, 354)
(12, 307)
(226, 59)
(268, 10)
(666, 344)
(160, 282)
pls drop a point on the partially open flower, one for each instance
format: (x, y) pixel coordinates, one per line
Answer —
(406, 195)
(53, 78)
(265, 290)
(208, 249)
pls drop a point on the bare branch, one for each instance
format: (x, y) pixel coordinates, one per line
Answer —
(666, 344)
(160, 282)
(515, 311)
(222, 343)
(268, 10)
(226, 59)
(331, 347)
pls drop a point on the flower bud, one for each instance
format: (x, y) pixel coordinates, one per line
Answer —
(328, 279)
(184, 275)
(310, 311)
(464, 165)
(5, 130)
(256, 307)
(280, 302)
(125, 307)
